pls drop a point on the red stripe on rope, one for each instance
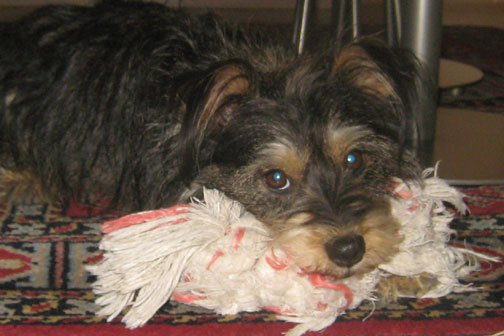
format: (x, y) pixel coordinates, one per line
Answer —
(319, 281)
(143, 217)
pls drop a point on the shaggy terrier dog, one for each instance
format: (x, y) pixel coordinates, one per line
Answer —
(145, 106)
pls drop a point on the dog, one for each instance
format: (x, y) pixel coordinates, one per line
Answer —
(146, 106)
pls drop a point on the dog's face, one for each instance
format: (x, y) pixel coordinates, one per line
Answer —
(313, 157)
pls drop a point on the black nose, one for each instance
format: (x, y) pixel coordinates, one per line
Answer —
(346, 251)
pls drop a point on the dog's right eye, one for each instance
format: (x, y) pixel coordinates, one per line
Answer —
(354, 160)
(277, 180)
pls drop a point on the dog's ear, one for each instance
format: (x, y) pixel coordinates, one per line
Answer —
(393, 75)
(356, 64)
(211, 101)
(224, 87)
(210, 97)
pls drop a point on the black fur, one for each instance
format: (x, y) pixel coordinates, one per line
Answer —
(146, 105)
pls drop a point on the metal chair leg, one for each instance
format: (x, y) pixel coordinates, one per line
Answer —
(301, 19)
(345, 21)
(392, 22)
(420, 32)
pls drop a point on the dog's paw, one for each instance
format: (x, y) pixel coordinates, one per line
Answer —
(20, 186)
(393, 287)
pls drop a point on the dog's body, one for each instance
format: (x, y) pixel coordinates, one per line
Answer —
(146, 106)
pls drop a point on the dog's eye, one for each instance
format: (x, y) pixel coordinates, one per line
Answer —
(278, 180)
(353, 160)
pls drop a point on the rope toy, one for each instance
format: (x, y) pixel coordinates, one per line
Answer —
(214, 254)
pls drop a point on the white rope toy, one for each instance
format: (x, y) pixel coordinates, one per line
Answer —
(214, 254)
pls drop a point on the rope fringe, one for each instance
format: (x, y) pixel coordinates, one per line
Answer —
(214, 254)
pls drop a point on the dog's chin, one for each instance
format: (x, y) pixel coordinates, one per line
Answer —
(334, 272)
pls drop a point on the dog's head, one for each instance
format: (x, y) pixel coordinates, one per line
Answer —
(310, 149)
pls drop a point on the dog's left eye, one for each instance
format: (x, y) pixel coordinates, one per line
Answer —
(353, 160)
(278, 180)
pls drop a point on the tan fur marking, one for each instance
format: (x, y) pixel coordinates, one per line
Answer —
(228, 81)
(341, 140)
(292, 161)
(380, 232)
(20, 185)
(307, 246)
(292, 222)
(393, 287)
(365, 73)
(9, 98)
(307, 243)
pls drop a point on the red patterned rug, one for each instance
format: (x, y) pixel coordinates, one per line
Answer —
(45, 290)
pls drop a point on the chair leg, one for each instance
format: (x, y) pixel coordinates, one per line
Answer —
(420, 32)
(345, 18)
(301, 20)
(393, 23)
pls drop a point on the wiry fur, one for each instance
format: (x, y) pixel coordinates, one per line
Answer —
(146, 106)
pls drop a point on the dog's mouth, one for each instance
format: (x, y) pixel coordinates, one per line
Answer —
(322, 264)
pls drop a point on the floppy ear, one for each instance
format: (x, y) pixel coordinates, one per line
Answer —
(211, 102)
(391, 74)
(210, 96)
(226, 84)
(355, 64)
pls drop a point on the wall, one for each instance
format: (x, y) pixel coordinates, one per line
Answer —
(469, 12)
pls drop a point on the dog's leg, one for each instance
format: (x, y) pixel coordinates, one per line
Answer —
(393, 287)
(20, 185)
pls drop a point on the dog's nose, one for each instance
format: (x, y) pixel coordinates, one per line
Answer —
(346, 251)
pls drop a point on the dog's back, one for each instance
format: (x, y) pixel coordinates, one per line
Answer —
(90, 94)
(116, 99)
